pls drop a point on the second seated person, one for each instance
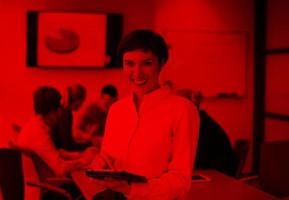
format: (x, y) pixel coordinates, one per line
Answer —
(62, 134)
(90, 123)
(152, 132)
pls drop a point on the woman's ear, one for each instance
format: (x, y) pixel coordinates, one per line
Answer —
(161, 65)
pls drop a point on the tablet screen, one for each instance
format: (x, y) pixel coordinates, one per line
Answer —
(200, 178)
(117, 175)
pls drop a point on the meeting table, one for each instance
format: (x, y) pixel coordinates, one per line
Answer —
(217, 187)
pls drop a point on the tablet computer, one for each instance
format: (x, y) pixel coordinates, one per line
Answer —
(118, 175)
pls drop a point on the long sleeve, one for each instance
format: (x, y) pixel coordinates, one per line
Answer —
(36, 138)
(45, 150)
(158, 141)
(177, 180)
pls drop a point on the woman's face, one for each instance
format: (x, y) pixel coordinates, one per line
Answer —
(142, 69)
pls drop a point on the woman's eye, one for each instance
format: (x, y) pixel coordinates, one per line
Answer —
(128, 64)
(147, 63)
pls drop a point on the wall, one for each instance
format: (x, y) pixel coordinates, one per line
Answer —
(17, 81)
(234, 115)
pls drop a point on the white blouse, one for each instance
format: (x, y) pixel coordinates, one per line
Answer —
(158, 142)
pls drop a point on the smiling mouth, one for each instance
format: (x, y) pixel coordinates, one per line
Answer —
(139, 82)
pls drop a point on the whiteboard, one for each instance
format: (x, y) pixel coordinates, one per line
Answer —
(212, 62)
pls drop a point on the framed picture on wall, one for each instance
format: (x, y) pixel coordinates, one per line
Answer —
(72, 39)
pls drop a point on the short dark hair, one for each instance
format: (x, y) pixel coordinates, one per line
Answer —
(146, 40)
(46, 99)
(110, 90)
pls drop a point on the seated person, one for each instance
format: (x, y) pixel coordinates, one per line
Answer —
(62, 134)
(91, 122)
(35, 136)
(214, 149)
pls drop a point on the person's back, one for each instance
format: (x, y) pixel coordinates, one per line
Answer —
(35, 138)
(33, 135)
(214, 148)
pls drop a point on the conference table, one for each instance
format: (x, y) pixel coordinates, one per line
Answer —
(218, 187)
(224, 187)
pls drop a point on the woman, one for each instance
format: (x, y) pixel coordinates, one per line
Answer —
(152, 132)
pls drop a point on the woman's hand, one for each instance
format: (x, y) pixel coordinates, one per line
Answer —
(88, 155)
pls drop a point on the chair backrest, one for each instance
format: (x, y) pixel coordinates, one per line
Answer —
(40, 166)
(36, 173)
(29, 172)
(274, 168)
(11, 175)
(241, 149)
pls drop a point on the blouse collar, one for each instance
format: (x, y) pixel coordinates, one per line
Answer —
(153, 98)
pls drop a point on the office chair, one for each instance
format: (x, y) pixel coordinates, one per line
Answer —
(40, 180)
(274, 168)
(241, 150)
(11, 176)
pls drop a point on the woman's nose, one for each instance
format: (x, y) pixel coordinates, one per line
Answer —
(137, 70)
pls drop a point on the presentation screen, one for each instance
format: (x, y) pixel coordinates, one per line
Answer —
(72, 39)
